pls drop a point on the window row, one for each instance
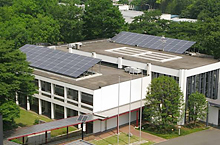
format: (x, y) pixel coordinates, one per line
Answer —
(59, 91)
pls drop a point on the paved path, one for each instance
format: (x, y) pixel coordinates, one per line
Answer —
(207, 137)
(135, 132)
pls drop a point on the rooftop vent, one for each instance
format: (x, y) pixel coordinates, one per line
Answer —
(76, 45)
(133, 70)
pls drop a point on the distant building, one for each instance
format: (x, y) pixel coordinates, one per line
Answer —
(176, 18)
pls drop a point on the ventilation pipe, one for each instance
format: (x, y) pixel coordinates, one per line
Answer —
(148, 69)
(120, 62)
(70, 50)
(94, 54)
(77, 46)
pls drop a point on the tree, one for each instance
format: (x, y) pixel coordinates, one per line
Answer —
(15, 77)
(164, 103)
(123, 2)
(202, 9)
(101, 19)
(70, 20)
(149, 23)
(197, 107)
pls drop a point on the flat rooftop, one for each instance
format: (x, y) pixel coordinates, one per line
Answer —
(185, 62)
(109, 76)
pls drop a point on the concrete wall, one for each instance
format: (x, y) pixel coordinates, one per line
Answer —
(213, 115)
(99, 126)
(107, 97)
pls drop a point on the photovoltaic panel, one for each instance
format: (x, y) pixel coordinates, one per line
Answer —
(68, 64)
(153, 42)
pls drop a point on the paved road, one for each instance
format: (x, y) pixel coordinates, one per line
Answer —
(206, 137)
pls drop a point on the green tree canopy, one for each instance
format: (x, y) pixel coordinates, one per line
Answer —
(15, 76)
(197, 107)
(101, 19)
(164, 102)
(202, 9)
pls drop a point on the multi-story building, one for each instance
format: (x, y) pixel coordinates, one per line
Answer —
(104, 88)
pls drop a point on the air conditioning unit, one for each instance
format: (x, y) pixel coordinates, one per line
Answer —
(71, 45)
(133, 70)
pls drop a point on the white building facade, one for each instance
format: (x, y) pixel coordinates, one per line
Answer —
(109, 90)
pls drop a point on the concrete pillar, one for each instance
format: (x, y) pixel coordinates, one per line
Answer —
(52, 91)
(79, 125)
(52, 111)
(39, 85)
(182, 84)
(79, 99)
(148, 69)
(16, 98)
(65, 95)
(40, 106)
(65, 112)
(120, 65)
(28, 104)
(70, 50)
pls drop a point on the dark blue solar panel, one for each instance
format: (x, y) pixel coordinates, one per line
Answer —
(58, 61)
(153, 42)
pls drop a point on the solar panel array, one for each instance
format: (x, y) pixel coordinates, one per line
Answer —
(153, 42)
(57, 61)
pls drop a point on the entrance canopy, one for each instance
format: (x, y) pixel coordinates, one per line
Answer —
(35, 129)
(57, 124)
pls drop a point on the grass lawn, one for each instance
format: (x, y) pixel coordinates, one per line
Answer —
(27, 118)
(123, 139)
(184, 131)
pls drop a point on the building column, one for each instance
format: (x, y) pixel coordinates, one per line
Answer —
(52, 111)
(52, 91)
(28, 104)
(65, 101)
(65, 95)
(39, 86)
(137, 112)
(16, 98)
(148, 69)
(182, 85)
(65, 112)
(79, 99)
(79, 105)
(79, 125)
(39, 106)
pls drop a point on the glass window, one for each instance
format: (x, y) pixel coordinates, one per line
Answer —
(72, 94)
(45, 86)
(36, 83)
(87, 98)
(59, 90)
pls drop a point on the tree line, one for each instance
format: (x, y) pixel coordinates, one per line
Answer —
(195, 9)
(46, 21)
